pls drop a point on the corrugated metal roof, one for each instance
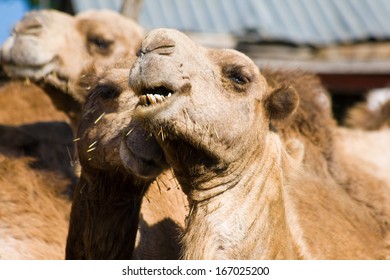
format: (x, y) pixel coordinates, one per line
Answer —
(82, 5)
(317, 22)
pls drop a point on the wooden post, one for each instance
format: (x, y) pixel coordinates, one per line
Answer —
(132, 8)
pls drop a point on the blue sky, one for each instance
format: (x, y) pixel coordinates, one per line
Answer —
(10, 12)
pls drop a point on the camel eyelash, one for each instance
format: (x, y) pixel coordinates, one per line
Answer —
(235, 74)
(107, 91)
(100, 42)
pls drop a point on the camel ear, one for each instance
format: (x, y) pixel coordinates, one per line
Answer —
(281, 103)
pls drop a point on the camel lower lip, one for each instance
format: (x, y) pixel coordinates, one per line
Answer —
(35, 71)
(143, 165)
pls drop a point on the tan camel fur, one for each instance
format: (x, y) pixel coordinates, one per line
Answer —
(31, 126)
(253, 194)
(370, 148)
(51, 48)
(34, 213)
(373, 114)
(368, 132)
(327, 145)
(35, 174)
(120, 160)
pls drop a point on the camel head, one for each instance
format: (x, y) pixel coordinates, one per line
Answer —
(53, 47)
(107, 139)
(206, 107)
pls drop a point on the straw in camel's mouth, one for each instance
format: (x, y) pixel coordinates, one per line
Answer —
(154, 96)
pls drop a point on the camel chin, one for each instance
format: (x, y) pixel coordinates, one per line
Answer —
(138, 164)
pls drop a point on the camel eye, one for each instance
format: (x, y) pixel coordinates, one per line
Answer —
(238, 79)
(107, 91)
(236, 75)
(101, 43)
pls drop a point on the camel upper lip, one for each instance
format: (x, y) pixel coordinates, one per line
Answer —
(154, 95)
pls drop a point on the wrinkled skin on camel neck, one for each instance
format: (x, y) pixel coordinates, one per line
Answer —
(51, 48)
(211, 111)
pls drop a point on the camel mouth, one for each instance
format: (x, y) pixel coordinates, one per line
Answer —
(153, 96)
(30, 70)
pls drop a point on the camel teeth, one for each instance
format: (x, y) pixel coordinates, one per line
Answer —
(158, 98)
(151, 98)
(143, 100)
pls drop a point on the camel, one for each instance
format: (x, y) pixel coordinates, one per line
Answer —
(368, 131)
(51, 48)
(47, 50)
(150, 197)
(120, 163)
(253, 191)
(374, 114)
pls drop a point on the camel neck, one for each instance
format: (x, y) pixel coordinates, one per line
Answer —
(247, 221)
(65, 101)
(104, 217)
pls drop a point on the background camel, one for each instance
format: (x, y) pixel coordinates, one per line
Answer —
(49, 48)
(52, 48)
(370, 133)
(250, 195)
(119, 162)
(374, 114)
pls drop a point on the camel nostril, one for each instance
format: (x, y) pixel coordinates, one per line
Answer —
(161, 50)
(164, 46)
(165, 50)
(140, 52)
(30, 25)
